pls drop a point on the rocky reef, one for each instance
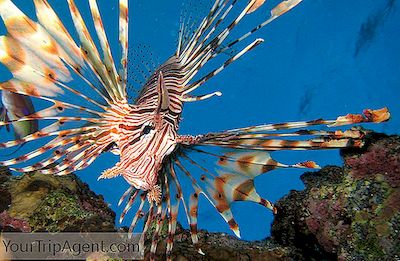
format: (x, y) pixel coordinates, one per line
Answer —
(219, 246)
(36, 202)
(347, 213)
(344, 213)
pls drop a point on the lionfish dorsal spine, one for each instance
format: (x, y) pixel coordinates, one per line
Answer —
(163, 96)
(205, 43)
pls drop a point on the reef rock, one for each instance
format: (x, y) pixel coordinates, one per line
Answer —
(220, 246)
(347, 213)
(37, 202)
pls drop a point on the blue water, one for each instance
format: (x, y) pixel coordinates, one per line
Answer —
(323, 59)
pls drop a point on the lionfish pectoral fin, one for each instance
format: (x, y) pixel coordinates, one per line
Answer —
(108, 59)
(187, 139)
(221, 189)
(376, 116)
(111, 172)
(241, 155)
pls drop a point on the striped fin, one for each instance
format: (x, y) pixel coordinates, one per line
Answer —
(258, 138)
(284, 7)
(40, 78)
(43, 133)
(49, 20)
(374, 116)
(76, 159)
(123, 39)
(221, 189)
(251, 164)
(45, 60)
(34, 37)
(192, 210)
(257, 4)
(213, 73)
(159, 219)
(75, 149)
(60, 150)
(213, 17)
(139, 213)
(61, 147)
(32, 77)
(108, 59)
(128, 206)
(204, 25)
(276, 12)
(91, 53)
(241, 155)
(207, 43)
(150, 218)
(32, 154)
(49, 114)
(274, 145)
(173, 199)
(206, 52)
(126, 193)
(26, 66)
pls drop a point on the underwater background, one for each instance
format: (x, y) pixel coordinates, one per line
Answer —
(325, 58)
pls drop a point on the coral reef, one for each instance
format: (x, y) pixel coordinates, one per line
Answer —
(35, 202)
(219, 246)
(347, 213)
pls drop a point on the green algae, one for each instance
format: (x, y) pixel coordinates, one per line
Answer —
(58, 211)
(55, 203)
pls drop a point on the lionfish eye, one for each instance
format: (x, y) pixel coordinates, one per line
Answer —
(147, 129)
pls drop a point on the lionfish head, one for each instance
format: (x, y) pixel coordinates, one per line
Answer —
(148, 136)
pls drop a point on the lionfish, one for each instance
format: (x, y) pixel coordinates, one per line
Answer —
(89, 114)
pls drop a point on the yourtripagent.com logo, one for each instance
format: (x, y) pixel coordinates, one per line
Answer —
(72, 246)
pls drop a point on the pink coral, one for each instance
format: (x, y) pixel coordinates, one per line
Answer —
(380, 158)
(325, 221)
(15, 223)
